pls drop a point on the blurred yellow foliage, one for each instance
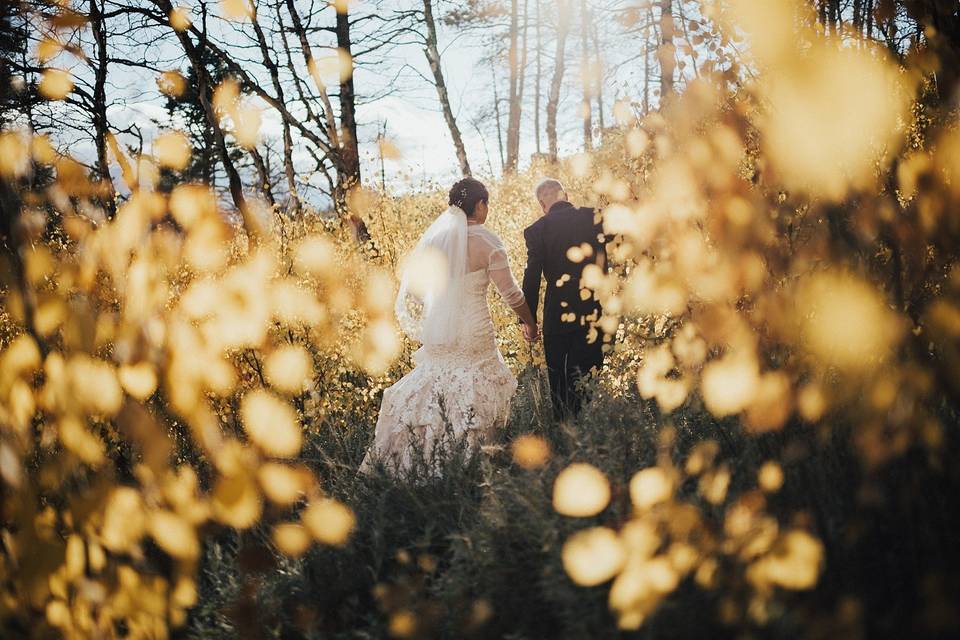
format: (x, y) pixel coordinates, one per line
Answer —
(581, 490)
(131, 337)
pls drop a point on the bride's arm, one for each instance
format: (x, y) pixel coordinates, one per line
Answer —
(511, 294)
(506, 284)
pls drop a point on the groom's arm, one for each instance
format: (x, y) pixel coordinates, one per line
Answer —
(603, 238)
(534, 270)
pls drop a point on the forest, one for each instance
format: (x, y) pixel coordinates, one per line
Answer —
(205, 210)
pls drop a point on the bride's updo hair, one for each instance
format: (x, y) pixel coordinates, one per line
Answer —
(467, 193)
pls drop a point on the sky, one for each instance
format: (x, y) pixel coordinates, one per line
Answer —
(403, 101)
(416, 124)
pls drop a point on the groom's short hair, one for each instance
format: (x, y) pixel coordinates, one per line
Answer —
(548, 186)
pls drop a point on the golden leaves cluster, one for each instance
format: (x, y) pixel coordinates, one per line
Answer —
(667, 537)
(163, 322)
(135, 338)
(733, 293)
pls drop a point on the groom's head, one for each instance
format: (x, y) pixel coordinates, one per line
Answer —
(549, 192)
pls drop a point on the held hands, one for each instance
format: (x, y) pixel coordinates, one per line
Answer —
(531, 332)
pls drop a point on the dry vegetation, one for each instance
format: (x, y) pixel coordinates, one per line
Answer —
(185, 396)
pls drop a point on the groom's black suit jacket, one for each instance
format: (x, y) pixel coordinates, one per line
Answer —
(548, 240)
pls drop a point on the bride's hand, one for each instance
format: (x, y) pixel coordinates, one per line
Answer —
(531, 332)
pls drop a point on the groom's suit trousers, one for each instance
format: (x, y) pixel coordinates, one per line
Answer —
(570, 358)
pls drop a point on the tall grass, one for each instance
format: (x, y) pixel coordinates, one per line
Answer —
(474, 550)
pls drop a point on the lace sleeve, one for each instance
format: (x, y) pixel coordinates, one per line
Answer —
(502, 277)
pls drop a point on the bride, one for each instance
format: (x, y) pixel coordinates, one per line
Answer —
(460, 378)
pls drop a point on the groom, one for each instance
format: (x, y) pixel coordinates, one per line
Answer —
(569, 309)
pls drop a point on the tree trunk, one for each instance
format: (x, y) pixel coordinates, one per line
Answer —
(689, 42)
(524, 50)
(563, 26)
(586, 106)
(350, 149)
(263, 176)
(333, 135)
(646, 63)
(666, 52)
(599, 76)
(381, 139)
(272, 68)
(497, 116)
(433, 58)
(517, 65)
(100, 122)
(537, 83)
(195, 56)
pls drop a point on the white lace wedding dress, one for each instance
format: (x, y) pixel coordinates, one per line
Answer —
(465, 381)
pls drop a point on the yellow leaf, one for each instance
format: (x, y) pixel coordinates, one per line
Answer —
(236, 9)
(184, 592)
(172, 83)
(282, 484)
(593, 556)
(22, 404)
(94, 385)
(770, 476)
(729, 384)
(75, 559)
(271, 424)
(333, 67)
(58, 615)
(139, 380)
(388, 149)
(124, 520)
(22, 356)
(845, 322)
(42, 150)
(650, 487)
(11, 469)
(55, 84)
(771, 406)
(329, 521)
(172, 150)
(289, 369)
(530, 451)
(794, 563)
(47, 49)
(174, 535)
(246, 125)
(581, 490)
(291, 539)
(14, 154)
(86, 446)
(315, 255)
(226, 96)
(427, 271)
(637, 142)
(403, 624)
(190, 203)
(180, 18)
(236, 501)
(342, 6)
(207, 246)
